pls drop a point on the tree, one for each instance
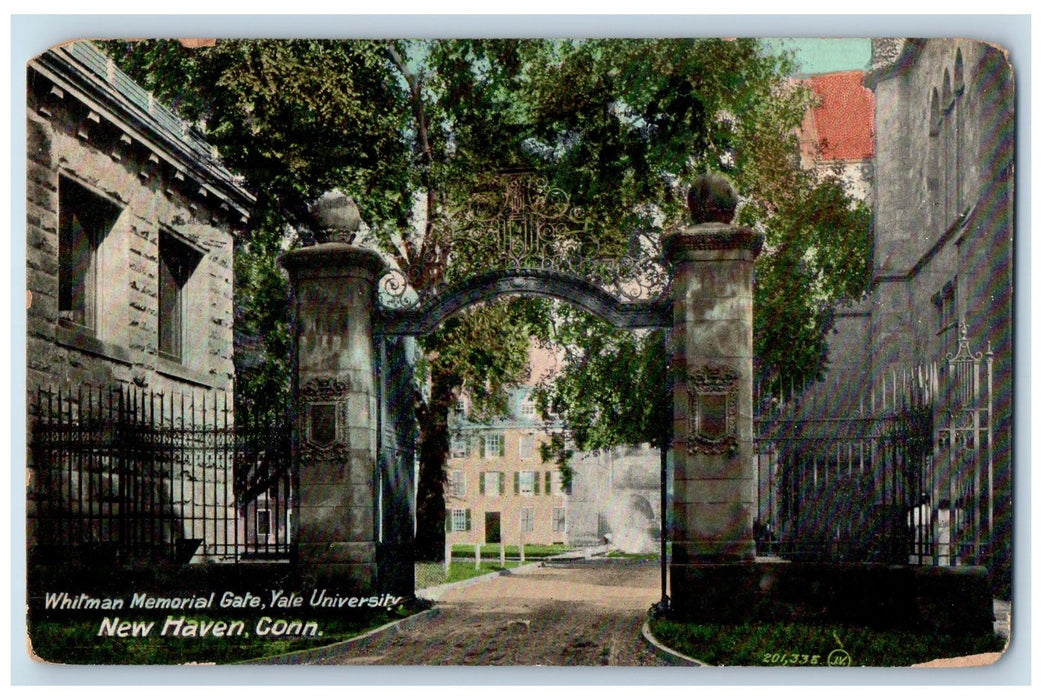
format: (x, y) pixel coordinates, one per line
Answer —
(617, 126)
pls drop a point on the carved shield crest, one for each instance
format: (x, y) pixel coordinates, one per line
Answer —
(713, 410)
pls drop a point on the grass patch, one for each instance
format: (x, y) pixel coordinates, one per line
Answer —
(433, 573)
(811, 645)
(78, 641)
(637, 556)
(532, 551)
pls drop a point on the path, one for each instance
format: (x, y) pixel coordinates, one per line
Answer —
(580, 613)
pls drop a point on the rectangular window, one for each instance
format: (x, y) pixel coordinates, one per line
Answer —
(177, 261)
(558, 520)
(493, 445)
(84, 219)
(528, 408)
(458, 484)
(263, 523)
(492, 483)
(527, 483)
(460, 520)
(526, 446)
(460, 446)
(527, 520)
(946, 304)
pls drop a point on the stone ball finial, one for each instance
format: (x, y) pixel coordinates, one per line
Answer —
(336, 217)
(712, 199)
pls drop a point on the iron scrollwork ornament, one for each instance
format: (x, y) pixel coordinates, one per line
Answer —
(325, 418)
(519, 221)
(713, 410)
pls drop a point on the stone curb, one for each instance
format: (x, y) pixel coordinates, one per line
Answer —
(670, 656)
(317, 654)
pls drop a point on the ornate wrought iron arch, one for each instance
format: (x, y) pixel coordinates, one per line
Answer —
(520, 235)
(423, 319)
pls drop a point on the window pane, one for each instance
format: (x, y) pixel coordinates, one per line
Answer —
(526, 446)
(527, 483)
(459, 520)
(458, 484)
(75, 267)
(558, 520)
(492, 483)
(263, 523)
(460, 445)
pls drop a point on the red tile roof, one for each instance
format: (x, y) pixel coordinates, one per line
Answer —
(842, 124)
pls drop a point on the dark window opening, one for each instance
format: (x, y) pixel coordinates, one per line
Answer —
(177, 262)
(84, 219)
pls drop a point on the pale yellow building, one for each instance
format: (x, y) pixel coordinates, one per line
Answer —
(499, 489)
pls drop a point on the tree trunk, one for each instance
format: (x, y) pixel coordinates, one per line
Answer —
(434, 451)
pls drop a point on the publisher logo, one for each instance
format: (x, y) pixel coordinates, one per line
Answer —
(838, 657)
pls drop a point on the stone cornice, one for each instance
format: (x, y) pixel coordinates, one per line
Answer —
(710, 237)
(325, 256)
(108, 107)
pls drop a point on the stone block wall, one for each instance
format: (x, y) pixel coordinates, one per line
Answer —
(99, 147)
(124, 345)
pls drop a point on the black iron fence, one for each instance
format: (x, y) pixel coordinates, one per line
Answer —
(126, 475)
(900, 473)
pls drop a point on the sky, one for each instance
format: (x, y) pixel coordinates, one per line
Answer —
(816, 56)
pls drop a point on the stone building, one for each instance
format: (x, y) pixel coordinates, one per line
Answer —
(943, 224)
(942, 262)
(130, 228)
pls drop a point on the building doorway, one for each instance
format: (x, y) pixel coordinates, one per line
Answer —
(492, 531)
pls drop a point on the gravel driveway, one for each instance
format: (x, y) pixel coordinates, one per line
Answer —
(586, 613)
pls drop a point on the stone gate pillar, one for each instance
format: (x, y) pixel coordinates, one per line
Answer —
(714, 480)
(335, 413)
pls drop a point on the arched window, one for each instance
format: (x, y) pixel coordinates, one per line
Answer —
(948, 159)
(933, 164)
(958, 116)
(935, 114)
(959, 84)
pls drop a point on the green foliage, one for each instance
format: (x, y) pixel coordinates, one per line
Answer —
(817, 255)
(296, 118)
(613, 389)
(262, 331)
(780, 644)
(411, 129)
(619, 124)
